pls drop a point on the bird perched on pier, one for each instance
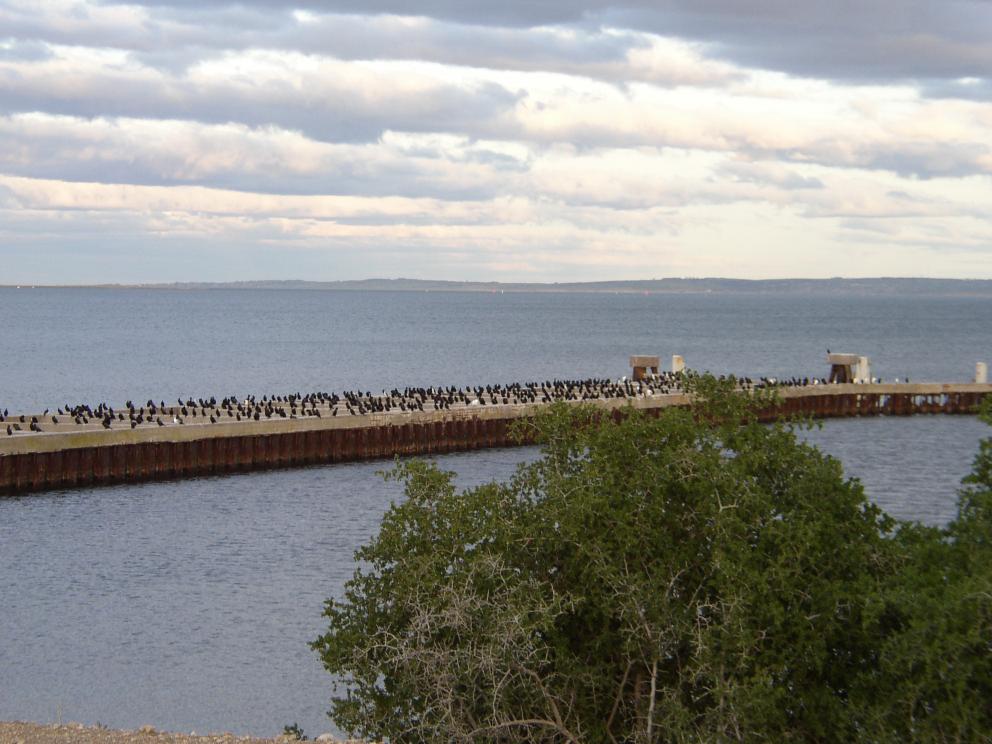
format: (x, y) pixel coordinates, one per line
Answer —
(35, 427)
(55, 420)
(10, 432)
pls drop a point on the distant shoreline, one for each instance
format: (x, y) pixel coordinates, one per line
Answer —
(880, 286)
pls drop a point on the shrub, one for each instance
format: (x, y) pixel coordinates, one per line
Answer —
(692, 577)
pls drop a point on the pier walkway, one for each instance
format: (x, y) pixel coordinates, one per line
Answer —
(67, 454)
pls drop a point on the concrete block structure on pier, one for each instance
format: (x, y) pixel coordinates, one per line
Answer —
(846, 368)
(643, 365)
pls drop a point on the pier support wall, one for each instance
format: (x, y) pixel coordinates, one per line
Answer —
(142, 461)
(79, 463)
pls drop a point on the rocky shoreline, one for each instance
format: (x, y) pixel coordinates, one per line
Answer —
(20, 732)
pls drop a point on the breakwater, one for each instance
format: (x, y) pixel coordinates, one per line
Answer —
(72, 458)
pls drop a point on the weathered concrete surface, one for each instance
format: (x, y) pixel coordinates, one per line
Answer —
(847, 359)
(71, 436)
(63, 459)
(95, 436)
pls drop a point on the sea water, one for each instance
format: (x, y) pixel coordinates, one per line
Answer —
(188, 604)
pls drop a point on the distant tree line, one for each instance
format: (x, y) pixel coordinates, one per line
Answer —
(695, 577)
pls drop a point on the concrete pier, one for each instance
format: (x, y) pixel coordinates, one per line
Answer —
(67, 457)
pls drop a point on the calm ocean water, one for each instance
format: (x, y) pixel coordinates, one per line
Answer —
(188, 605)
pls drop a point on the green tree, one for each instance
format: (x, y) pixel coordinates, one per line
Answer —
(933, 679)
(692, 577)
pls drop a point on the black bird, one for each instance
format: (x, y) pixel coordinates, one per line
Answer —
(159, 420)
(10, 432)
(35, 427)
(54, 420)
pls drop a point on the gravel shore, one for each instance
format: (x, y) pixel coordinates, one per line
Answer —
(17, 732)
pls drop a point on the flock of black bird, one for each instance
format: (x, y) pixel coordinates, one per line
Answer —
(360, 403)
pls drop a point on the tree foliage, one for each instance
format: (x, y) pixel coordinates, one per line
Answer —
(692, 577)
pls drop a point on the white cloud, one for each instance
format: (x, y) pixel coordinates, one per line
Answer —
(588, 148)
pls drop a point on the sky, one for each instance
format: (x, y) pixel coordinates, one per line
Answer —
(522, 140)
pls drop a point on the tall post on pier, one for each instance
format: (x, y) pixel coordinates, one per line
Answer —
(863, 372)
(981, 372)
(678, 363)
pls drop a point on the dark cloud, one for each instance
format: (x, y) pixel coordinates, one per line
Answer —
(928, 159)
(238, 159)
(878, 40)
(969, 89)
(175, 38)
(770, 175)
(510, 13)
(24, 51)
(8, 200)
(906, 158)
(326, 109)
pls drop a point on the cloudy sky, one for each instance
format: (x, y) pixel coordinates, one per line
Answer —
(521, 140)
